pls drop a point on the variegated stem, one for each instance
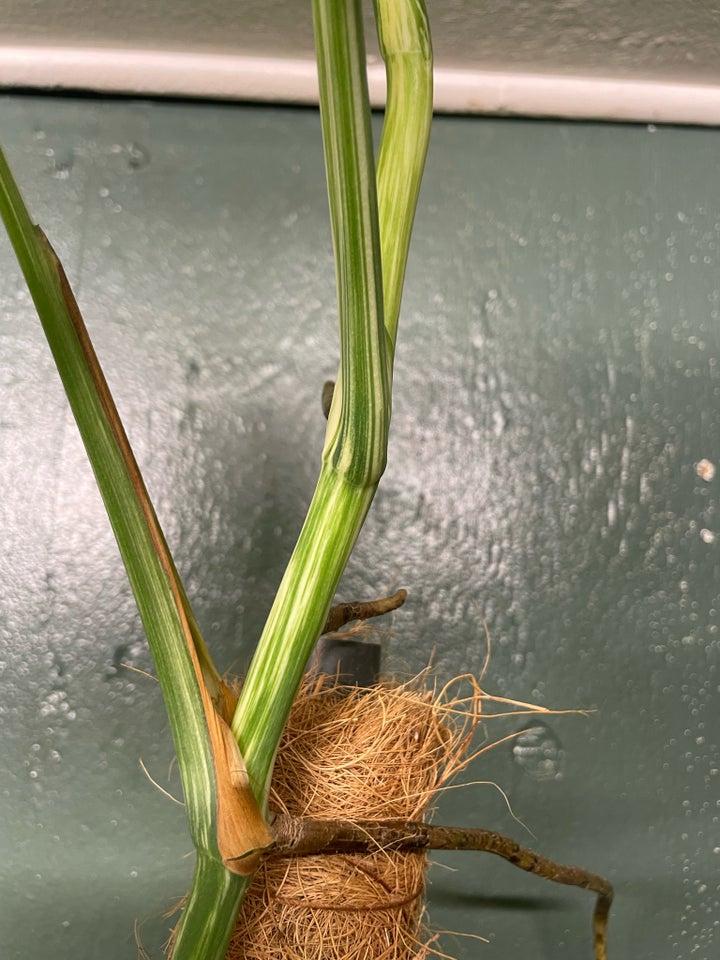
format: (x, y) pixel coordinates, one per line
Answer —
(334, 519)
(358, 421)
(209, 913)
(405, 45)
(356, 439)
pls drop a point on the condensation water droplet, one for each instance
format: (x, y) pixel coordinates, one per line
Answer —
(611, 513)
(499, 422)
(138, 156)
(539, 752)
(707, 536)
(63, 161)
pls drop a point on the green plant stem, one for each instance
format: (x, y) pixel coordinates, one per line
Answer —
(358, 422)
(356, 441)
(209, 913)
(333, 521)
(359, 418)
(406, 48)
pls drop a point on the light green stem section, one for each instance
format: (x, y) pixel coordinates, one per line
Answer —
(333, 521)
(210, 911)
(404, 35)
(356, 440)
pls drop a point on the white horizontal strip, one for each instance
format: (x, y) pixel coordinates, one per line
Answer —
(281, 80)
(577, 98)
(164, 73)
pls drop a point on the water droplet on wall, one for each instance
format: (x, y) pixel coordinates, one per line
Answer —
(539, 752)
(63, 162)
(138, 156)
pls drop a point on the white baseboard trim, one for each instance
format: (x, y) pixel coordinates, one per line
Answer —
(281, 80)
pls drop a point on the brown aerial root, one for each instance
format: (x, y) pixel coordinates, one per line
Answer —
(355, 775)
(343, 613)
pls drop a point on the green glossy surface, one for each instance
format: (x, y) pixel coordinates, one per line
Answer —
(556, 385)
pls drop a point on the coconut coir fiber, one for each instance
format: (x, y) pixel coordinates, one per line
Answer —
(354, 754)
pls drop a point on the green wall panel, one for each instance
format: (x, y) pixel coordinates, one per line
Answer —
(558, 384)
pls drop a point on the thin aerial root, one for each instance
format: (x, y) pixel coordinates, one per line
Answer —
(156, 784)
(142, 953)
(343, 613)
(306, 836)
(458, 838)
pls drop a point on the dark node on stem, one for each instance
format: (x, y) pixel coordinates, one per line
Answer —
(302, 836)
(326, 397)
